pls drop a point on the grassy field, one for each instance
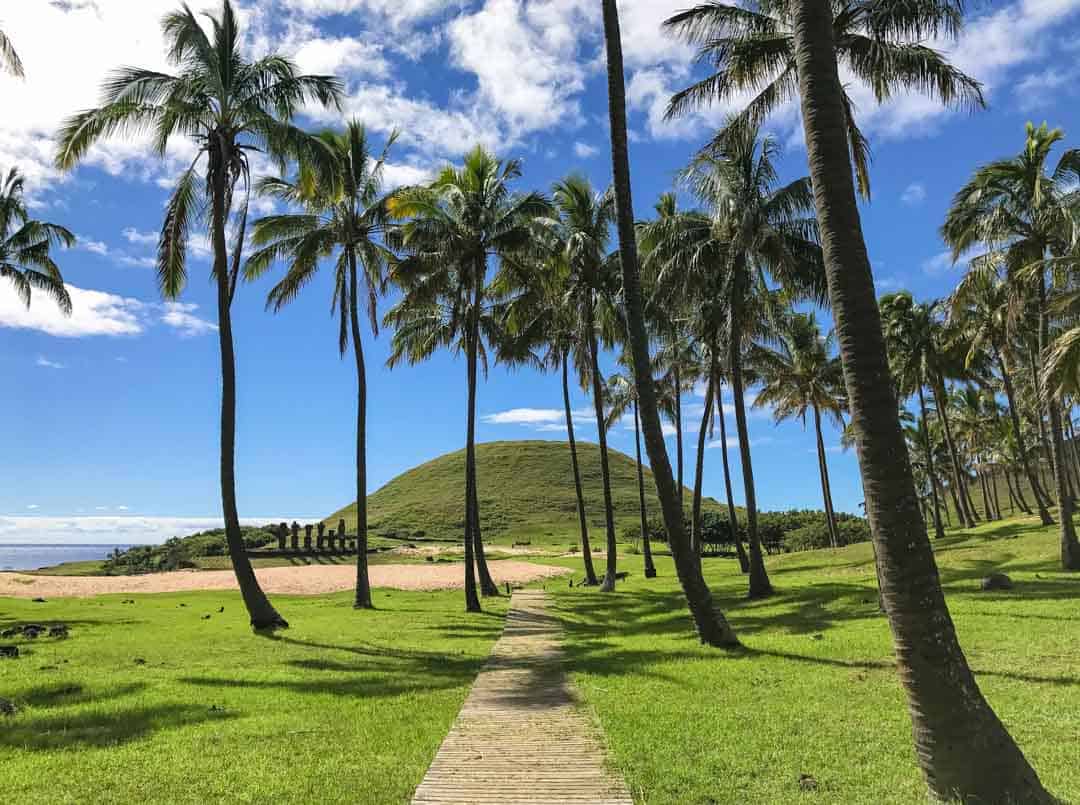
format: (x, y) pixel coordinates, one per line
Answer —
(348, 707)
(815, 691)
(149, 702)
(526, 492)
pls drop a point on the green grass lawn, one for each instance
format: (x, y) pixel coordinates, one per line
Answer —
(815, 691)
(343, 707)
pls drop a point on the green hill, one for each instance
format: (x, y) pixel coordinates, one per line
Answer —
(526, 492)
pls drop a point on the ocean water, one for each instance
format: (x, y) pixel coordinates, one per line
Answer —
(31, 557)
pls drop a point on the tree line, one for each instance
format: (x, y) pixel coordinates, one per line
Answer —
(716, 287)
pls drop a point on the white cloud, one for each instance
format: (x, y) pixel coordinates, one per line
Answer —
(887, 283)
(585, 151)
(341, 56)
(544, 420)
(96, 313)
(939, 263)
(913, 194)
(91, 245)
(47, 364)
(93, 313)
(133, 235)
(732, 442)
(33, 506)
(181, 316)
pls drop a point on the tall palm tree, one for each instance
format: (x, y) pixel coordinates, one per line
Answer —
(541, 331)
(751, 49)
(25, 246)
(915, 341)
(467, 217)
(964, 750)
(348, 217)
(229, 107)
(723, 259)
(581, 232)
(622, 396)
(9, 59)
(798, 375)
(1020, 212)
(712, 626)
(981, 308)
(716, 375)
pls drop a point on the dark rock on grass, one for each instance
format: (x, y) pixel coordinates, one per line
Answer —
(996, 581)
(58, 630)
(33, 630)
(206, 617)
(12, 632)
(37, 600)
(807, 783)
(9, 652)
(220, 610)
(140, 661)
(8, 708)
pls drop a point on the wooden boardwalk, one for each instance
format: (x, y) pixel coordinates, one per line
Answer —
(521, 736)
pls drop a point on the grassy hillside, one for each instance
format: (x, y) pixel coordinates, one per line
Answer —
(526, 492)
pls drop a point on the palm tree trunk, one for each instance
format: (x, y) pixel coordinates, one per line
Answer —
(362, 598)
(964, 750)
(598, 403)
(966, 510)
(994, 492)
(823, 469)
(650, 568)
(1070, 548)
(261, 612)
(939, 531)
(1012, 494)
(586, 551)
(733, 520)
(1025, 460)
(699, 468)
(988, 504)
(760, 587)
(956, 505)
(472, 600)
(487, 584)
(678, 429)
(712, 626)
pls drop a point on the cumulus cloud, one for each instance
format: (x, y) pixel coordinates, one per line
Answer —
(107, 529)
(541, 419)
(181, 317)
(45, 363)
(913, 194)
(585, 150)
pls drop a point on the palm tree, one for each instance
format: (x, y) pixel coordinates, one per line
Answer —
(751, 49)
(964, 750)
(456, 225)
(349, 217)
(580, 234)
(801, 375)
(722, 259)
(621, 396)
(716, 375)
(539, 315)
(915, 340)
(981, 307)
(9, 59)
(1021, 214)
(712, 626)
(229, 107)
(25, 246)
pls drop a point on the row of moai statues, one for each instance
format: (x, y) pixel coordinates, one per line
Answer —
(289, 538)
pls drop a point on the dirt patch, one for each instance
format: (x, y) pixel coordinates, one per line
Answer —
(306, 580)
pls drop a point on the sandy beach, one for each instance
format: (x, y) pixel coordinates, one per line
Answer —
(304, 580)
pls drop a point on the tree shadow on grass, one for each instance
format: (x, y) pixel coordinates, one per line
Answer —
(62, 694)
(96, 729)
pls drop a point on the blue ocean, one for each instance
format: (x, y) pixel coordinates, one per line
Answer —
(32, 557)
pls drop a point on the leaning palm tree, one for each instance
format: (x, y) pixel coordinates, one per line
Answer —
(9, 59)
(541, 331)
(754, 230)
(348, 217)
(580, 234)
(26, 245)
(1021, 213)
(981, 308)
(622, 396)
(465, 218)
(750, 49)
(800, 374)
(964, 750)
(229, 107)
(712, 626)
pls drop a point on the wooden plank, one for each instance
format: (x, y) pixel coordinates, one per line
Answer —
(522, 736)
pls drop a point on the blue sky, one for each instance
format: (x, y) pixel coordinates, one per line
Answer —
(113, 412)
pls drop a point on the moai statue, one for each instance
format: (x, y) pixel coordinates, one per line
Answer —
(321, 529)
(282, 536)
(307, 536)
(295, 536)
(341, 529)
